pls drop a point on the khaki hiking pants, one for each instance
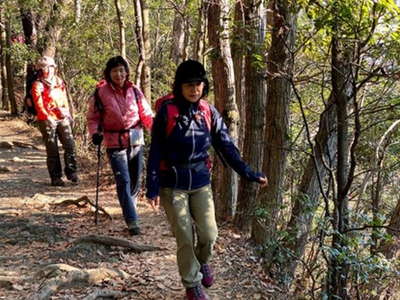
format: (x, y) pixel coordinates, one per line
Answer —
(183, 208)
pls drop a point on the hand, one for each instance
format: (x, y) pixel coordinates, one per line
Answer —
(51, 121)
(263, 181)
(154, 202)
(97, 138)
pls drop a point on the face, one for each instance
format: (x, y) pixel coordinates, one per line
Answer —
(118, 75)
(192, 91)
(48, 72)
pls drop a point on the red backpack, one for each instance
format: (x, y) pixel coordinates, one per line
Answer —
(173, 112)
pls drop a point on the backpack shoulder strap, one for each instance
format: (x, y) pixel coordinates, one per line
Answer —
(97, 101)
(172, 116)
(205, 109)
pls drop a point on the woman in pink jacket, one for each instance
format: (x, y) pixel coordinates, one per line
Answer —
(118, 112)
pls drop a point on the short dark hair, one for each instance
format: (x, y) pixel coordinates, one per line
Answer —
(115, 62)
(190, 71)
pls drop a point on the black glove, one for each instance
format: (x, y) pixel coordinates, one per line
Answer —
(97, 138)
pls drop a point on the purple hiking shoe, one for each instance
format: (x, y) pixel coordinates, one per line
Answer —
(196, 293)
(208, 277)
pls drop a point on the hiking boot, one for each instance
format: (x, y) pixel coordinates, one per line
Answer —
(73, 177)
(133, 228)
(57, 182)
(208, 277)
(196, 293)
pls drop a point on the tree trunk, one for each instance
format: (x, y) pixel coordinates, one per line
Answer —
(53, 29)
(199, 41)
(279, 67)
(78, 9)
(10, 72)
(121, 25)
(225, 180)
(238, 56)
(4, 89)
(146, 73)
(307, 201)
(30, 33)
(255, 98)
(139, 40)
(390, 248)
(338, 269)
(178, 35)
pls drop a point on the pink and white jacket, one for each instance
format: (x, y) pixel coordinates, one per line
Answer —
(120, 112)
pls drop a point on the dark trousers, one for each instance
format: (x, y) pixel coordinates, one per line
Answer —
(51, 133)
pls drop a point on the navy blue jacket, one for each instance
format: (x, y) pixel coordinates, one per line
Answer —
(185, 150)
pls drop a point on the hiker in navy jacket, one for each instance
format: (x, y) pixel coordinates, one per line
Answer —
(178, 171)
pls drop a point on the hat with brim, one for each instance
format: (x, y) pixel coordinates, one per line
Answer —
(190, 71)
(193, 79)
(44, 62)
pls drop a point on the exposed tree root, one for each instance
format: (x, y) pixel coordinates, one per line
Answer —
(104, 294)
(81, 202)
(60, 276)
(112, 241)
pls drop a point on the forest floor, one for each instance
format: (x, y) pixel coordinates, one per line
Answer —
(41, 257)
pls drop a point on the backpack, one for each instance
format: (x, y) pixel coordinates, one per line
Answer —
(173, 116)
(173, 113)
(29, 106)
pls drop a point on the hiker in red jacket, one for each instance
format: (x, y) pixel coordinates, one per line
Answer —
(178, 171)
(51, 104)
(118, 112)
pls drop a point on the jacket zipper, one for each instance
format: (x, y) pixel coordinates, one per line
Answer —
(191, 155)
(176, 177)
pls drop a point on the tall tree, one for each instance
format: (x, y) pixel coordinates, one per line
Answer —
(121, 26)
(276, 139)
(139, 40)
(306, 200)
(225, 181)
(53, 29)
(238, 55)
(4, 88)
(10, 70)
(78, 10)
(254, 102)
(177, 54)
(146, 73)
(341, 70)
(199, 40)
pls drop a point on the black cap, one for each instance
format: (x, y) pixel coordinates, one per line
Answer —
(190, 71)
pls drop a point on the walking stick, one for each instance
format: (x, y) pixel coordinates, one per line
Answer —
(97, 185)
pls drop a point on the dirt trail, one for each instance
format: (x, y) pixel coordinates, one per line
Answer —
(34, 232)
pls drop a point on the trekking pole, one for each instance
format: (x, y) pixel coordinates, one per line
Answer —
(97, 185)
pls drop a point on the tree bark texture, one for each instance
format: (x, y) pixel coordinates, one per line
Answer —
(255, 100)
(53, 29)
(199, 40)
(121, 26)
(238, 55)
(391, 248)
(139, 40)
(307, 201)
(225, 181)
(279, 68)
(146, 73)
(4, 87)
(338, 269)
(177, 54)
(30, 33)
(78, 9)
(10, 72)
